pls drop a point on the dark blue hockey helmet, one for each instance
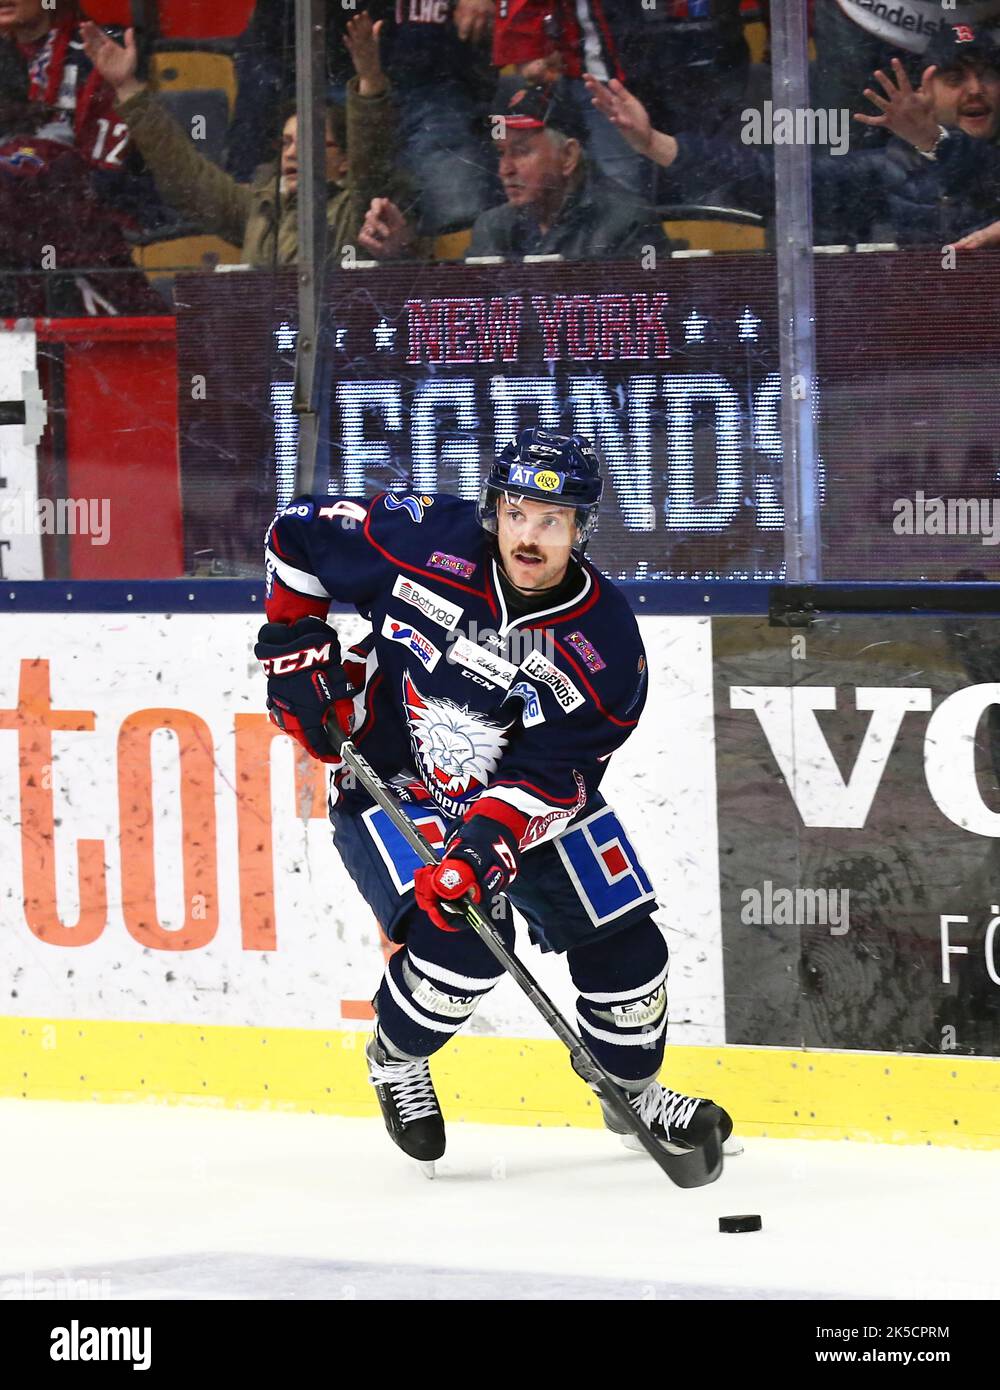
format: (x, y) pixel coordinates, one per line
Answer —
(562, 469)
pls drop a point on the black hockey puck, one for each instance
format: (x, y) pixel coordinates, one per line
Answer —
(739, 1223)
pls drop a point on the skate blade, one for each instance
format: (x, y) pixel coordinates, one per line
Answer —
(732, 1147)
(426, 1167)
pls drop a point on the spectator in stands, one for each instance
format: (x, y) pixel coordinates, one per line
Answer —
(57, 240)
(61, 78)
(439, 60)
(262, 217)
(686, 60)
(436, 53)
(855, 37)
(557, 203)
(937, 179)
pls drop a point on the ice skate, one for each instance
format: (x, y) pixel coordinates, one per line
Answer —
(409, 1105)
(681, 1123)
(692, 1128)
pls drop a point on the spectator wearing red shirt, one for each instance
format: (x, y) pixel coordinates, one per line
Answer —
(687, 60)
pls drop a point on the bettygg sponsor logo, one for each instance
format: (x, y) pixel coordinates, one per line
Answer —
(592, 658)
(439, 610)
(451, 564)
(420, 645)
(541, 669)
(465, 653)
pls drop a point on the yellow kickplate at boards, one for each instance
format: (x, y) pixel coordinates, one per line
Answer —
(778, 1092)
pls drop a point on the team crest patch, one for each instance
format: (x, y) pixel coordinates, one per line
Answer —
(451, 564)
(457, 750)
(592, 658)
(410, 503)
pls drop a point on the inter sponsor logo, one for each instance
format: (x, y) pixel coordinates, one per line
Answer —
(421, 646)
(439, 610)
(541, 669)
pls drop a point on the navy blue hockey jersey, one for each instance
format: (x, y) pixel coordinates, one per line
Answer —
(456, 691)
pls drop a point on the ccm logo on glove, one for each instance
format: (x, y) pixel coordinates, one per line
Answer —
(308, 690)
(296, 661)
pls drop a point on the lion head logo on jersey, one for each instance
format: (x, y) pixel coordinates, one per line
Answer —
(457, 749)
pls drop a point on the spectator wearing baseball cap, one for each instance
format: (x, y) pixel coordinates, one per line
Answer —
(557, 203)
(855, 37)
(937, 179)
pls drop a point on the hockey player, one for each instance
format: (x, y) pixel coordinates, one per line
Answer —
(501, 673)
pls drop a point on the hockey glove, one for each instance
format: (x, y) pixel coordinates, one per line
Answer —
(306, 684)
(479, 860)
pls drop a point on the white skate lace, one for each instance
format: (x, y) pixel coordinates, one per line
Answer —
(669, 1107)
(411, 1086)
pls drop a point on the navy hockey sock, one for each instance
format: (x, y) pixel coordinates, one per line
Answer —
(622, 1005)
(432, 986)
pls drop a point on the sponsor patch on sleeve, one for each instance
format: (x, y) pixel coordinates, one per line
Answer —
(411, 504)
(592, 658)
(451, 564)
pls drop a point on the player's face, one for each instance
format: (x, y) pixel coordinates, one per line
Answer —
(27, 16)
(535, 540)
(336, 159)
(968, 96)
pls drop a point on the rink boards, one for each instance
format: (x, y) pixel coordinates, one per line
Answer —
(176, 925)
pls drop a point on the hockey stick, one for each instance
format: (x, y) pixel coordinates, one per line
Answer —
(702, 1165)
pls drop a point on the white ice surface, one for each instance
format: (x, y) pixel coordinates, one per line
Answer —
(169, 1202)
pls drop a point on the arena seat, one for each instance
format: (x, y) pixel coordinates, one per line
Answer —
(203, 19)
(181, 19)
(705, 228)
(451, 245)
(109, 11)
(161, 260)
(176, 68)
